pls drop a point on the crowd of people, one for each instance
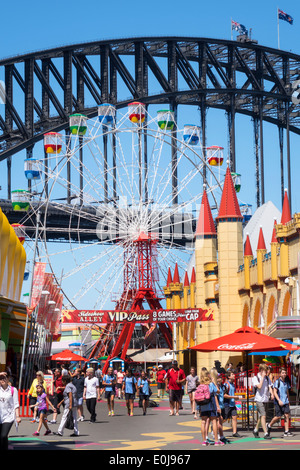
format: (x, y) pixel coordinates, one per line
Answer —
(212, 397)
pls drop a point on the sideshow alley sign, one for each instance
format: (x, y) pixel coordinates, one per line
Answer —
(138, 316)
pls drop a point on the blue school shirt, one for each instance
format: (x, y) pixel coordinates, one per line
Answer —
(145, 386)
(108, 379)
(282, 388)
(230, 401)
(129, 384)
(221, 396)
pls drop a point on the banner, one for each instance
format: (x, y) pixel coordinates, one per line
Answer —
(37, 285)
(138, 316)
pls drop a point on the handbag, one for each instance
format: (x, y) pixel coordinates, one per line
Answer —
(70, 422)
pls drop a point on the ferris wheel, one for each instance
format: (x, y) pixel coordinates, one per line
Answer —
(109, 181)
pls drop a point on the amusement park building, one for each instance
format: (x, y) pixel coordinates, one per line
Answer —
(240, 289)
(12, 311)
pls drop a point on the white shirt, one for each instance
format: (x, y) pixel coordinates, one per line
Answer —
(8, 403)
(262, 394)
(91, 387)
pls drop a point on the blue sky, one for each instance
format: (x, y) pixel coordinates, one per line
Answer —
(36, 25)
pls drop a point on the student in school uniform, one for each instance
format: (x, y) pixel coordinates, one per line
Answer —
(281, 389)
(229, 402)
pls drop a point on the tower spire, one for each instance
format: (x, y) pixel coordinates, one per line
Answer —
(205, 225)
(248, 249)
(286, 212)
(229, 206)
(261, 241)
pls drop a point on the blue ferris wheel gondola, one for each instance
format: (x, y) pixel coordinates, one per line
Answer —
(106, 113)
(191, 134)
(32, 169)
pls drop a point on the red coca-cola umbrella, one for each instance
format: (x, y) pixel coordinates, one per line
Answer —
(67, 356)
(245, 340)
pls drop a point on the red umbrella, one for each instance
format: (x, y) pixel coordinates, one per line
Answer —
(245, 340)
(67, 356)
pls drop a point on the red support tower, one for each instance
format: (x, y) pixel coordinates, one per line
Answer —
(139, 286)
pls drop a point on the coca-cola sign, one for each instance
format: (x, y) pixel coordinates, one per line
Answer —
(237, 347)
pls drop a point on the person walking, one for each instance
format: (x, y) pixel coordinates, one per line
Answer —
(130, 389)
(109, 382)
(144, 391)
(192, 382)
(160, 378)
(91, 393)
(229, 402)
(262, 386)
(58, 393)
(32, 392)
(175, 379)
(78, 382)
(9, 409)
(281, 389)
(120, 377)
(209, 409)
(70, 406)
(41, 406)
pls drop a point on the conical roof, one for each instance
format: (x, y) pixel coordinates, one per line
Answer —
(229, 206)
(248, 249)
(274, 238)
(261, 241)
(205, 225)
(169, 280)
(286, 212)
(176, 275)
(186, 280)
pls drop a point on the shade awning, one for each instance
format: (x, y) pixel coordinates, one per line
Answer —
(68, 356)
(245, 339)
(150, 355)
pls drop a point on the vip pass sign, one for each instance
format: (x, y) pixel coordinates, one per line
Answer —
(138, 316)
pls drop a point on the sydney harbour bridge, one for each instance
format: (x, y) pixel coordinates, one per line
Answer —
(42, 89)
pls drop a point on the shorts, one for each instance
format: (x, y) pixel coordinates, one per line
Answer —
(80, 401)
(209, 414)
(119, 385)
(32, 400)
(129, 396)
(42, 411)
(143, 396)
(261, 408)
(161, 386)
(175, 395)
(110, 393)
(281, 410)
(229, 412)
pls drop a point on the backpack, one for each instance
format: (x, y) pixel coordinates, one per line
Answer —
(202, 394)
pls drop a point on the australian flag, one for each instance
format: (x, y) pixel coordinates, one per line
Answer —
(238, 27)
(284, 16)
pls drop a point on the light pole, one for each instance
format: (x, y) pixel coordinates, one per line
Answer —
(30, 295)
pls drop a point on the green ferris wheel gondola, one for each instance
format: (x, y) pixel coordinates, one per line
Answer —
(236, 177)
(78, 125)
(165, 120)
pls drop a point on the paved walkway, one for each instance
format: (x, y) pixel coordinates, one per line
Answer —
(157, 431)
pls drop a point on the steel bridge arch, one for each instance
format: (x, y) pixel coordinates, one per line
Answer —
(239, 77)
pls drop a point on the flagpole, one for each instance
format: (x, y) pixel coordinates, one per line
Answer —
(278, 27)
(231, 29)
